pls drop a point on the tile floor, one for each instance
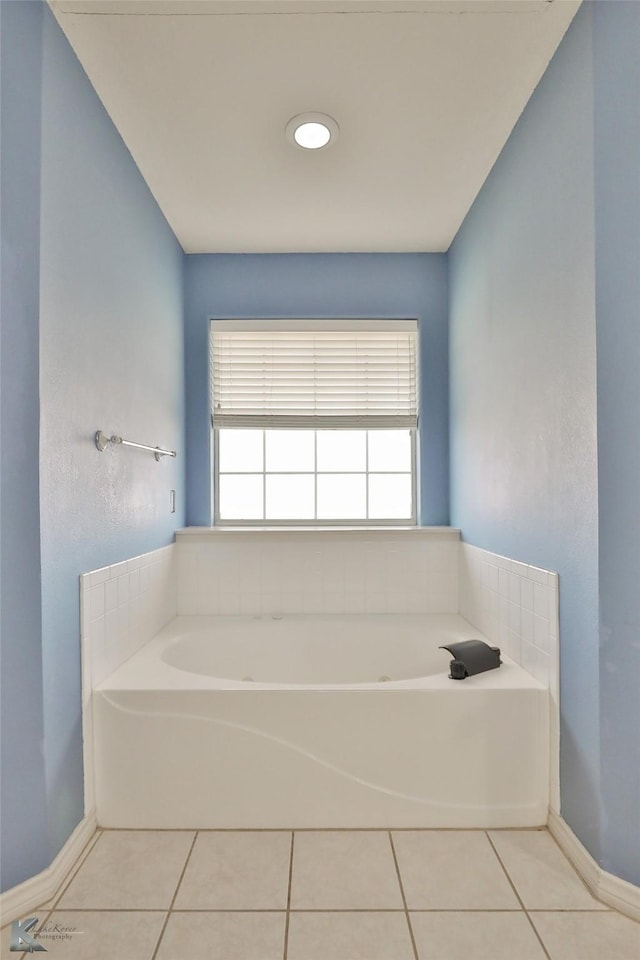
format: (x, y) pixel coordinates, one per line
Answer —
(329, 895)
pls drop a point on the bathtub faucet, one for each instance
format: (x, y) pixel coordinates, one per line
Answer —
(470, 657)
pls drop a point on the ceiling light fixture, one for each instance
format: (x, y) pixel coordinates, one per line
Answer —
(312, 131)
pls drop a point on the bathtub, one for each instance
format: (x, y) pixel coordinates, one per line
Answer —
(317, 721)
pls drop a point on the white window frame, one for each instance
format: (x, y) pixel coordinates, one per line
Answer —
(404, 522)
(340, 522)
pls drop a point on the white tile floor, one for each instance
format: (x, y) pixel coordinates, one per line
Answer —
(329, 895)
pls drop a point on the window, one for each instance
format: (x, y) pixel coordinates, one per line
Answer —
(314, 422)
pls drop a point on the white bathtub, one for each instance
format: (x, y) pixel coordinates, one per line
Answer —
(347, 721)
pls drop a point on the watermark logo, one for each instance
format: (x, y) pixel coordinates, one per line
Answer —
(21, 939)
(26, 937)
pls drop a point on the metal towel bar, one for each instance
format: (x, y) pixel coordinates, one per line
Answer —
(102, 440)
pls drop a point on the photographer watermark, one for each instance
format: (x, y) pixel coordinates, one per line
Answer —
(27, 937)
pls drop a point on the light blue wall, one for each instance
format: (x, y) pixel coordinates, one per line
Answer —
(24, 846)
(533, 402)
(523, 384)
(320, 285)
(110, 276)
(616, 36)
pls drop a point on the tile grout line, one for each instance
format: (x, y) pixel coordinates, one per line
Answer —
(584, 910)
(286, 829)
(175, 894)
(404, 899)
(288, 913)
(520, 900)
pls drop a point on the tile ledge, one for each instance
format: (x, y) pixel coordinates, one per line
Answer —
(186, 532)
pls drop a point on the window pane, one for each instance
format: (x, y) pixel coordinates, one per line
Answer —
(342, 450)
(390, 450)
(240, 497)
(240, 450)
(290, 498)
(390, 496)
(342, 497)
(290, 450)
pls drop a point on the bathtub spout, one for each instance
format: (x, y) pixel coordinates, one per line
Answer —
(471, 657)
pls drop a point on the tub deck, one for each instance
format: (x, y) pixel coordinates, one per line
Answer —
(420, 634)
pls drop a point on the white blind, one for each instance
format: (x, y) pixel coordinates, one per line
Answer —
(346, 374)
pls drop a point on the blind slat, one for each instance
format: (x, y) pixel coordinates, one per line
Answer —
(302, 377)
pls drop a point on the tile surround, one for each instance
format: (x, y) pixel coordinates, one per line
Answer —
(426, 570)
(517, 606)
(122, 607)
(346, 571)
(513, 603)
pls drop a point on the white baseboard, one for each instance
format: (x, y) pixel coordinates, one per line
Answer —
(25, 897)
(619, 894)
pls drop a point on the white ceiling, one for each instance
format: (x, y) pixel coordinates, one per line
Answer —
(425, 95)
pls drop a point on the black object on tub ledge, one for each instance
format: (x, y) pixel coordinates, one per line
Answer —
(470, 657)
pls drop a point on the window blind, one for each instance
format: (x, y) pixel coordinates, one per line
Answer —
(351, 374)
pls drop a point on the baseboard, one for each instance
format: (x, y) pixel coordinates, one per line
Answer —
(619, 894)
(20, 900)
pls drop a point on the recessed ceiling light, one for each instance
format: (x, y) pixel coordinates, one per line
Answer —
(312, 131)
